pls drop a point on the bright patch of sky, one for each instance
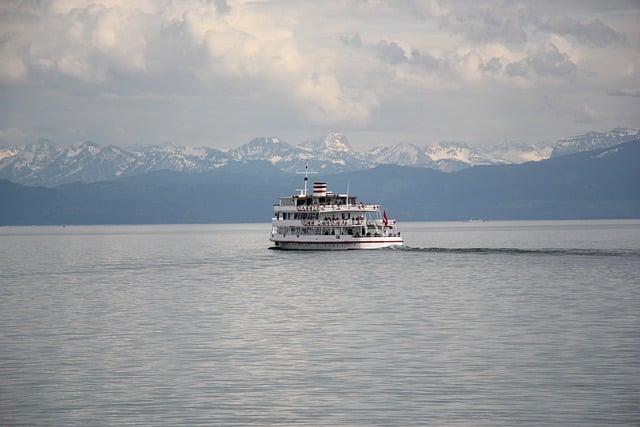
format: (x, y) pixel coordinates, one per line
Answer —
(220, 73)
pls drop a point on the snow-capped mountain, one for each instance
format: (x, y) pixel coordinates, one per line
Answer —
(454, 151)
(592, 140)
(87, 161)
(42, 163)
(513, 152)
(165, 158)
(19, 164)
(331, 153)
(330, 143)
(402, 154)
(266, 148)
(23, 164)
(450, 157)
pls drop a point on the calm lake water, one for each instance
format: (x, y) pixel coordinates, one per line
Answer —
(493, 323)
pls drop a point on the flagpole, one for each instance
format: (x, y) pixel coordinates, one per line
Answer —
(306, 178)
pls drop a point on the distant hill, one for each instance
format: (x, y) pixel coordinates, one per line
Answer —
(22, 205)
(600, 183)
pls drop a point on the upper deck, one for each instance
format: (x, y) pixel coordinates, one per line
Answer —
(340, 203)
(322, 200)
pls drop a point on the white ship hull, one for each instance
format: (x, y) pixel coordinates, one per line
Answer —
(335, 243)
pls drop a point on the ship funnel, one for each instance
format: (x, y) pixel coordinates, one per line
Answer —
(319, 189)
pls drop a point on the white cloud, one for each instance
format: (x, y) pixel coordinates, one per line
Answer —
(300, 66)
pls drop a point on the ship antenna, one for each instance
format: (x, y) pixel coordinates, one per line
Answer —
(306, 178)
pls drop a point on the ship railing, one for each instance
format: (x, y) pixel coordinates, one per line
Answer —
(380, 222)
(334, 207)
(333, 222)
(337, 222)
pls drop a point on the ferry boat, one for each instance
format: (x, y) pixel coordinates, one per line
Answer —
(324, 220)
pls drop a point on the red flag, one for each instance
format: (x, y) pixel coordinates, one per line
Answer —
(385, 218)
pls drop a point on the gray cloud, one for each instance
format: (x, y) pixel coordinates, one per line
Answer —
(425, 60)
(391, 52)
(493, 66)
(627, 93)
(221, 6)
(594, 33)
(352, 40)
(552, 62)
(546, 62)
(489, 24)
(516, 69)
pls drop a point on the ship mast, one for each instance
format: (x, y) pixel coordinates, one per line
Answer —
(306, 179)
(348, 185)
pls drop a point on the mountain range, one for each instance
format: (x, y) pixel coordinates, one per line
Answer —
(43, 163)
(600, 183)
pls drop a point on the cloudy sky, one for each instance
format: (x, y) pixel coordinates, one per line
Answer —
(222, 72)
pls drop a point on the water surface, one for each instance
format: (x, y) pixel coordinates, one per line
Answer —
(495, 323)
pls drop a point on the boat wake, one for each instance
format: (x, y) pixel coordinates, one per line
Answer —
(518, 251)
